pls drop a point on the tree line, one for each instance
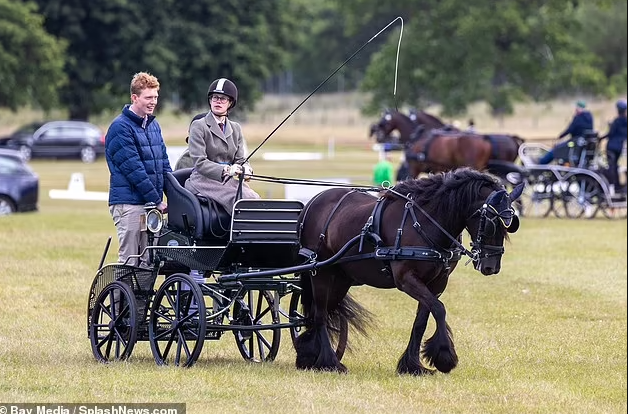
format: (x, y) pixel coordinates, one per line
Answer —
(80, 55)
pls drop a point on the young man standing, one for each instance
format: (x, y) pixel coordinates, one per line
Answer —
(137, 160)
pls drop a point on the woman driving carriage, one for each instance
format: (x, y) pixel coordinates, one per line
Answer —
(581, 122)
(217, 149)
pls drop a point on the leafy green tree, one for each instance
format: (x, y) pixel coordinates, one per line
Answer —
(325, 39)
(105, 47)
(604, 34)
(185, 44)
(31, 61)
(246, 41)
(456, 52)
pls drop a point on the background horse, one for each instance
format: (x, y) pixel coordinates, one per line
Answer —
(505, 147)
(430, 147)
(407, 239)
(502, 147)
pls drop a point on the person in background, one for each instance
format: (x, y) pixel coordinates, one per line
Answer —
(137, 160)
(185, 161)
(581, 122)
(616, 136)
(384, 172)
(471, 126)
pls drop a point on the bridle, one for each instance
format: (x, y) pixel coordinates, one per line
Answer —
(490, 220)
(489, 216)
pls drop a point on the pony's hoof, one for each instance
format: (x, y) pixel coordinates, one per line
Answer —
(340, 368)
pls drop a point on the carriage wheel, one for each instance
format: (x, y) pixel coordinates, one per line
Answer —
(340, 344)
(583, 196)
(257, 308)
(536, 201)
(177, 323)
(113, 325)
(562, 199)
(613, 211)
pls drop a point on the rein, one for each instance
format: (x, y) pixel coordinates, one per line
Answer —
(303, 181)
(371, 230)
(411, 203)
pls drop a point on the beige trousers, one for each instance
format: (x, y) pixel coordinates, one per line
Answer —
(131, 238)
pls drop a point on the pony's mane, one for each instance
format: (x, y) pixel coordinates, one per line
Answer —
(458, 187)
(431, 117)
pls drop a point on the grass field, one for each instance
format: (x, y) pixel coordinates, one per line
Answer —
(546, 335)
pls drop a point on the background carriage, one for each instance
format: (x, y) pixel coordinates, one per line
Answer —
(575, 186)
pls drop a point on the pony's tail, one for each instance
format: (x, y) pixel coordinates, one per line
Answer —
(348, 313)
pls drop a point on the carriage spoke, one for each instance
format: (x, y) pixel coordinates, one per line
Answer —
(257, 310)
(113, 327)
(173, 319)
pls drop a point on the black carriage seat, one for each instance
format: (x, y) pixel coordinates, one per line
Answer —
(206, 219)
(264, 233)
(583, 151)
(580, 151)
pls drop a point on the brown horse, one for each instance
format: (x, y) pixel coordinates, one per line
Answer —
(407, 239)
(502, 147)
(430, 147)
(436, 150)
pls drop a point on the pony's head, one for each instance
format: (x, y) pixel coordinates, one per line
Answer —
(467, 198)
(376, 130)
(489, 226)
(383, 128)
(390, 121)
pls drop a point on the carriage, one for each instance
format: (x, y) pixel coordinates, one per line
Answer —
(240, 295)
(575, 186)
(265, 265)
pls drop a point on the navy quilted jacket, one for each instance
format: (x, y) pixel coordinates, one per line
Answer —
(137, 159)
(617, 134)
(580, 123)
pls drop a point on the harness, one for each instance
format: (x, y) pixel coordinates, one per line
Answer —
(494, 145)
(371, 233)
(429, 139)
(489, 216)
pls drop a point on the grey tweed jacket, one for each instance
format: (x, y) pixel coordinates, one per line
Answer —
(211, 149)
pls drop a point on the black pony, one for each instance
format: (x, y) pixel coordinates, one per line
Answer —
(407, 239)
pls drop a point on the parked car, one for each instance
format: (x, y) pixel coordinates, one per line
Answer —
(19, 185)
(58, 139)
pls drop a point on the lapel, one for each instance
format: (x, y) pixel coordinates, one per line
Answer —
(214, 128)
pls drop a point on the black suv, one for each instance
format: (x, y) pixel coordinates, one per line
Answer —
(58, 139)
(19, 185)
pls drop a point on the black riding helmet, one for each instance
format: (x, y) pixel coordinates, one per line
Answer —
(225, 87)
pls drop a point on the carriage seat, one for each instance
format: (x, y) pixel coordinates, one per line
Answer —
(579, 152)
(206, 219)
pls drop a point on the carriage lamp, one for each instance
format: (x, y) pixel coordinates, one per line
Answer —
(154, 220)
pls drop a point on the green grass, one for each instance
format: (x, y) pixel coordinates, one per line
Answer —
(546, 335)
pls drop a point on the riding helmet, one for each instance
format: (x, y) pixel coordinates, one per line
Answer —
(621, 105)
(225, 87)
